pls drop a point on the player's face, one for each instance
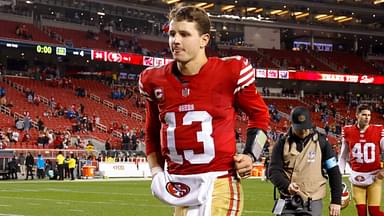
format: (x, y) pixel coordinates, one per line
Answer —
(364, 117)
(301, 133)
(185, 41)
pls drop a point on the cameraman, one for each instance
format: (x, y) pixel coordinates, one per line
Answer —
(296, 169)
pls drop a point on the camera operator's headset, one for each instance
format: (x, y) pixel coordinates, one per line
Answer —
(296, 201)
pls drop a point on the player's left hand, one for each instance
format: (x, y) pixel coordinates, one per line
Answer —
(380, 174)
(243, 165)
(334, 209)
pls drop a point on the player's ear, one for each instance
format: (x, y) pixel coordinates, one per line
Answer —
(204, 40)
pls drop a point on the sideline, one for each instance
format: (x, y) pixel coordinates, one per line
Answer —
(22, 181)
(85, 202)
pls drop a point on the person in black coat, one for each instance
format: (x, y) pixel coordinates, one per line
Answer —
(12, 166)
(29, 162)
(299, 162)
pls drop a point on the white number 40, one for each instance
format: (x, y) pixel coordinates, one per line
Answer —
(365, 154)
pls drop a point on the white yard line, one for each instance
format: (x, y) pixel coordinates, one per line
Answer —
(258, 212)
(73, 191)
(76, 210)
(1, 214)
(79, 201)
(33, 204)
(62, 203)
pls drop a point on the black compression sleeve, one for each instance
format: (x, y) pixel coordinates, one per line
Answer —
(334, 175)
(335, 184)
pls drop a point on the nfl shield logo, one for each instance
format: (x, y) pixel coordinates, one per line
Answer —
(311, 156)
(185, 92)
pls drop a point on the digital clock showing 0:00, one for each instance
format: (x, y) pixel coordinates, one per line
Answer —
(44, 49)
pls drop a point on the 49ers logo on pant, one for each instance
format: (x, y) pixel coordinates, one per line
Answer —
(360, 178)
(177, 189)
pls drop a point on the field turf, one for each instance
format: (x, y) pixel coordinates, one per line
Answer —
(112, 197)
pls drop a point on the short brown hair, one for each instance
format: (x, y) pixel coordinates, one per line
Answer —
(362, 107)
(192, 14)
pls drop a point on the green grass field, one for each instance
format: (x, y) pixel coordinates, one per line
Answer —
(126, 197)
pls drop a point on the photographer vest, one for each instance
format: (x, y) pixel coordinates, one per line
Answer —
(305, 168)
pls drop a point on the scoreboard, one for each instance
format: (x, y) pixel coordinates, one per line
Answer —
(47, 49)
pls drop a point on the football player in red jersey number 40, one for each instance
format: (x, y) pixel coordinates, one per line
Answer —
(190, 121)
(363, 144)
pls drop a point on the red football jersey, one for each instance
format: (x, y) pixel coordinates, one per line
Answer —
(191, 120)
(364, 148)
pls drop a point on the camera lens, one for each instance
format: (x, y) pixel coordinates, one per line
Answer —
(296, 201)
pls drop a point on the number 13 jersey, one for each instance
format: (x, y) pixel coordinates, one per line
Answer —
(191, 119)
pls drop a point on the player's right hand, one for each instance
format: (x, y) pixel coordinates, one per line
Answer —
(243, 165)
(293, 188)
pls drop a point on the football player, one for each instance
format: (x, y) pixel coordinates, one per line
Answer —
(190, 119)
(363, 144)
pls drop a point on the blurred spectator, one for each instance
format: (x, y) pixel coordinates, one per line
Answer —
(66, 167)
(40, 163)
(72, 165)
(108, 144)
(36, 100)
(4, 140)
(21, 163)
(22, 31)
(27, 121)
(15, 137)
(40, 123)
(3, 101)
(80, 92)
(29, 162)
(26, 137)
(12, 168)
(2, 91)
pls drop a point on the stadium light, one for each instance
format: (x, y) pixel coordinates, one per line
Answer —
(302, 15)
(283, 12)
(275, 12)
(339, 18)
(172, 1)
(325, 17)
(208, 6)
(345, 20)
(201, 4)
(320, 16)
(250, 9)
(378, 2)
(101, 13)
(259, 10)
(228, 7)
